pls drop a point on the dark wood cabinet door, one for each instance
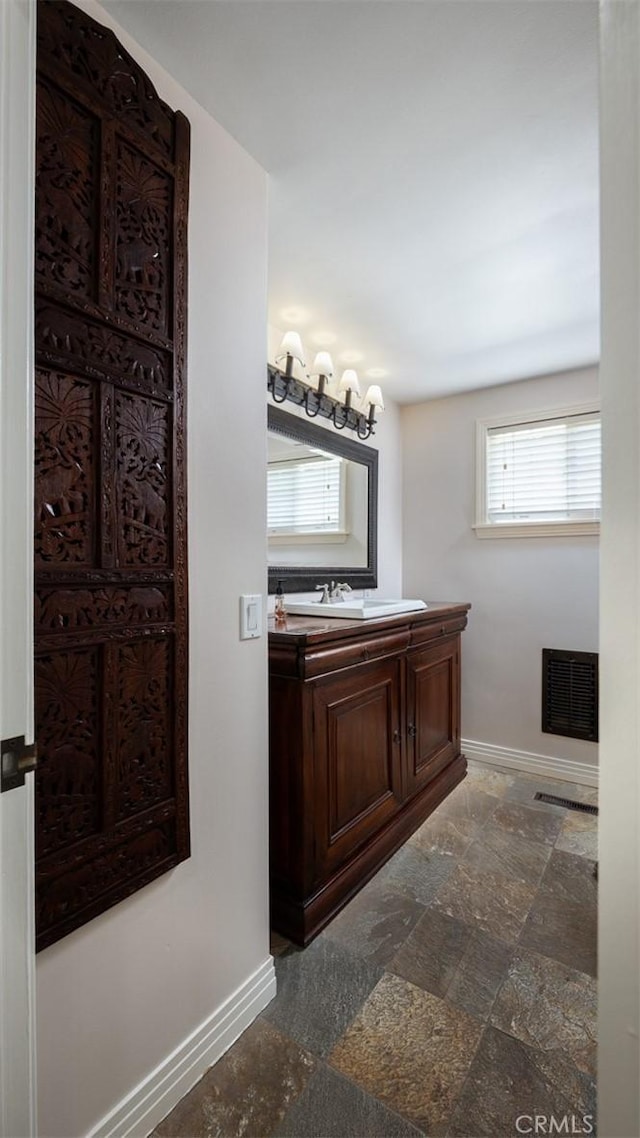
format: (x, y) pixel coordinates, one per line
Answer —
(357, 759)
(433, 711)
(110, 494)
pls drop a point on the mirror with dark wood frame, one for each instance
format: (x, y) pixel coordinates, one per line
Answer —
(303, 550)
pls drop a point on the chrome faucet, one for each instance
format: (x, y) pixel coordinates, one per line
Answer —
(338, 590)
(333, 593)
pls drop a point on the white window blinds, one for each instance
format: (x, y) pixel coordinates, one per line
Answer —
(305, 496)
(544, 471)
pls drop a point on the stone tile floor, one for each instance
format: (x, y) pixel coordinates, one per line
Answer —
(453, 995)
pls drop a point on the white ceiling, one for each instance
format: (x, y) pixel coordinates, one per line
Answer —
(434, 172)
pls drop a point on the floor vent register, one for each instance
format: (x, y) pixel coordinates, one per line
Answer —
(568, 803)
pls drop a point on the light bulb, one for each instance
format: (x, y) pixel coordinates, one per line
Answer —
(373, 398)
(291, 346)
(349, 381)
(322, 365)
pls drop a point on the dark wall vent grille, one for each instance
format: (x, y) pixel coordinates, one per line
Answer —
(570, 693)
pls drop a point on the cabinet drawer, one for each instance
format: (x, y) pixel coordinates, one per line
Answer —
(330, 658)
(437, 630)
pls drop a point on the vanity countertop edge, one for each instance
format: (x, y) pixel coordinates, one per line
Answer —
(309, 647)
(308, 628)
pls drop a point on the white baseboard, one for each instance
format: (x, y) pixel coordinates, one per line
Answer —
(544, 765)
(148, 1103)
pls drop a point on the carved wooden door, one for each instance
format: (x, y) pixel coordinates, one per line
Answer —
(110, 495)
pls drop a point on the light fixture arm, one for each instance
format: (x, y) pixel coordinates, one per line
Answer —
(344, 408)
(312, 398)
(285, 387)
(340, 425)
(366, 424)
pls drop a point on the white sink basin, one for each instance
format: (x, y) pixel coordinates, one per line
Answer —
(368, 609)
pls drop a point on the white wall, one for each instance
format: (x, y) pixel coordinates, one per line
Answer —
(117, 996)
(527, 593)
(388, 442)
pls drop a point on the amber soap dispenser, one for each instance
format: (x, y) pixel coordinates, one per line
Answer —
(279, 612)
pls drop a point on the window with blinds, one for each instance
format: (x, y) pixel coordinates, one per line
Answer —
(540, 475)
(306, 496)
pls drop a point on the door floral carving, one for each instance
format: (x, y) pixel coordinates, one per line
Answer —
(110, 492)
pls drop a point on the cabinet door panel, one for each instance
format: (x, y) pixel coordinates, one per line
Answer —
(433, 696)
(357, 780)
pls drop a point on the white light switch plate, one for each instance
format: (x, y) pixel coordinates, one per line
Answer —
(250, 616)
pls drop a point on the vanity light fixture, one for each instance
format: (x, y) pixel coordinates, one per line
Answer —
(348, 387)
(290, 349)
(314, 399)
(322, 369)
(374, 400)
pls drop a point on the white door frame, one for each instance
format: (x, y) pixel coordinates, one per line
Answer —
(17, 951)
(619, 873)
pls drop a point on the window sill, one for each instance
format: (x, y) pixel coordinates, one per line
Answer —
(536, 529)
(309, 538)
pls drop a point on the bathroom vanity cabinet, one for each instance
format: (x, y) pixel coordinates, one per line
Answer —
(364, 744)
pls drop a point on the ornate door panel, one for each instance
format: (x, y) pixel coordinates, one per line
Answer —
(110, 498)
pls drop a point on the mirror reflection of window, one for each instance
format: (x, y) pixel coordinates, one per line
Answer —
(321, 505)
(306, 495)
